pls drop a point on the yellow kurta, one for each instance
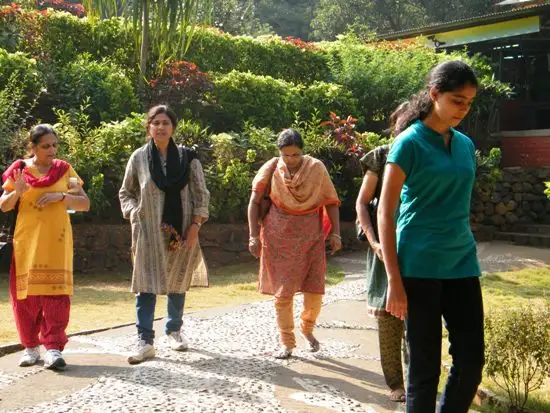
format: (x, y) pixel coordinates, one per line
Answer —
(43, 241)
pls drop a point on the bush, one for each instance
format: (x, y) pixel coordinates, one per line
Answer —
(382, 75)
(214, 51)
(100, 154)
(110, 92)
(327, 97)
(518, 351)
(229, 179)
(274, 103)
(262, 100)
(24, 72)
(181, 85)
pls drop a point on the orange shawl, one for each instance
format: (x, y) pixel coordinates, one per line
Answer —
(309, 190)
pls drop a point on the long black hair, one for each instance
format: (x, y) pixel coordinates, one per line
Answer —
(445, 77)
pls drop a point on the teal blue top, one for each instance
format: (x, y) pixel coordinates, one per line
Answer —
(434, 238)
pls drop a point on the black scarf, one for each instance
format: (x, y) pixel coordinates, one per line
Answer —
(176, 178)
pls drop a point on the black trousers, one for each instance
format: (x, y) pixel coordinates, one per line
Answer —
(460, 304)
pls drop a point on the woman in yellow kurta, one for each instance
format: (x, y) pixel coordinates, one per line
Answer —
(41, 274)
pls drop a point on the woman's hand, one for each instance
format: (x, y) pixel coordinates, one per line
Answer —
(335, 241)
(191, 236)
(377, 248)
(21, 185)
(396, 303)
(255, 246)
(49, 198)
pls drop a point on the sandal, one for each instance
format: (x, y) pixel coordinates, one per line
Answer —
(283, 353)
(398, 395)
(314, 344)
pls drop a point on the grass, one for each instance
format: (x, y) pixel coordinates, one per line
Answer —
(503, 290)
(104, 300)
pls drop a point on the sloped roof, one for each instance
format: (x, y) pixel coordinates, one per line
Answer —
(524, 11)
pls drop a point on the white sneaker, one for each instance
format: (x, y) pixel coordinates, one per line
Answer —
(142, 352)
(30, 357)
(177, 341)
(53, 360)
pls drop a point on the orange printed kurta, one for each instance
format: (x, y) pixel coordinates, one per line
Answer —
(43, 241)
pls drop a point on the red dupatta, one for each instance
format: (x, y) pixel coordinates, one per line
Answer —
(56, 172)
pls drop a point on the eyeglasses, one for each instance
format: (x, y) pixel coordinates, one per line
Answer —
(292, 156)
(47, 146)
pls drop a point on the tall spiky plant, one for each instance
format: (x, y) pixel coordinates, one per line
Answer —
(165, 27)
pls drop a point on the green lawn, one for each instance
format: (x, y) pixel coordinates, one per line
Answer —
(103, 300)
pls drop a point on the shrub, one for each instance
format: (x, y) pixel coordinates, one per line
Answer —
(326, 98)
(99, 154)
(14, 113)
(229, 178)
(274, 103)
(24, 72)
(518, 351)
(181, 84)
(110, 92)
(289, 60)
(382, 75)
(262, 100)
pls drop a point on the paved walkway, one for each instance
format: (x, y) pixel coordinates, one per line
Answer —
(228, 367)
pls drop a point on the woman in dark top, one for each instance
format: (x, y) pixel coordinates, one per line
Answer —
(390, 328)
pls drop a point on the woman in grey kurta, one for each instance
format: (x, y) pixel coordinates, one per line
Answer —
(390, 328)
(164, 196)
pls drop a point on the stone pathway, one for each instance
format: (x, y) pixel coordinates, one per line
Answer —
(228, 367)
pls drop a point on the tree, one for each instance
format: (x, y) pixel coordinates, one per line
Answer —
(236, 17)
(164, 27)
(287, 17)
(333, 17)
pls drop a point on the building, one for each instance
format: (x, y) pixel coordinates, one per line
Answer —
(518, 42)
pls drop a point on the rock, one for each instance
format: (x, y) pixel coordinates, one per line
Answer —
(501, 209)
(543, 173)
(530, 197)
(511, 217)
(518, 197)
(480, 217)
(484, 196)
(538, 188)
(537, 206)
(498, 220)
(489, 209)
(496, 198)
(478, 207)
(517, 187)
(511, 205)
(526, 206)
(532, 179)
(506, 199)
(527, 187)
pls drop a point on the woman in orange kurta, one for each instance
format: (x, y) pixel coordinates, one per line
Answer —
(291, 244)
(41, 274)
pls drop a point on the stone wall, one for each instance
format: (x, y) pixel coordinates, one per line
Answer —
(101, 248)
(518, 198)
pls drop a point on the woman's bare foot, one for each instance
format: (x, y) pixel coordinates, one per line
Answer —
(398, 395)
(313, 343)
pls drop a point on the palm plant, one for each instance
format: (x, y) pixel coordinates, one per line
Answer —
(163, 27)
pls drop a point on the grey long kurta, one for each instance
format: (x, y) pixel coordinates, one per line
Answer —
(157, 270)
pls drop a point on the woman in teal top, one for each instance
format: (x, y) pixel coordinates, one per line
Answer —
(431, 259)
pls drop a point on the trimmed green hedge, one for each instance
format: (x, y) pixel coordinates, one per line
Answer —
(265, 101)
(214, 51)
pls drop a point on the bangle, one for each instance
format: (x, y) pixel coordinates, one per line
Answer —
(64, 195)
(334, 235)
(198, 224)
